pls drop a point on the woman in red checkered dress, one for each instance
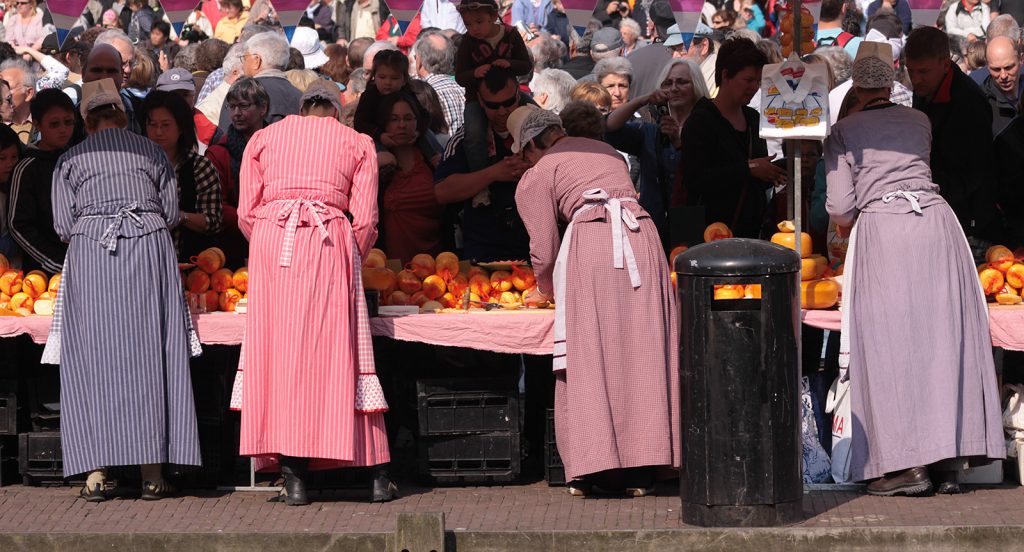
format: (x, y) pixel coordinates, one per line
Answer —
(616, 323)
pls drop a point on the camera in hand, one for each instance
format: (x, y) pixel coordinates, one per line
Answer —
(192, 34)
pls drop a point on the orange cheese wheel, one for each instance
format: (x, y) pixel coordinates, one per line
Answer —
(788, 239)
(819, 294)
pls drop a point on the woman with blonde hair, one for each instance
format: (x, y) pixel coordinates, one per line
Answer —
(592, 93)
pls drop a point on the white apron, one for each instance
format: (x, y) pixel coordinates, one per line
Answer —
(622, 257)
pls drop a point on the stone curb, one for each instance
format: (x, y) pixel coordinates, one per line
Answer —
(902, 539)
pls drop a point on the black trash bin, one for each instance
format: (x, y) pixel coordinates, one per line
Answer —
(740, 393)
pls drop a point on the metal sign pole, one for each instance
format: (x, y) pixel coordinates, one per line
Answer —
(795, 182)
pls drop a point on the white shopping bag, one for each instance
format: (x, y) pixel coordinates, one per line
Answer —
(842, 431)
(794, 100)
(1013, 414)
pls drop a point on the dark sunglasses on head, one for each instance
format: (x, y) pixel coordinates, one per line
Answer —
(473, 6)
(498, 105)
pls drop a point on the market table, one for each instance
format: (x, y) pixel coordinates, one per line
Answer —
(527, 331)
(1006, 323)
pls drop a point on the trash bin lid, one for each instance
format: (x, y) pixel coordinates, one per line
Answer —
(737, 257)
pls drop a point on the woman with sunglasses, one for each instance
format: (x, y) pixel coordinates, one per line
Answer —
(25, 28)
(657, 145)
(616, 323)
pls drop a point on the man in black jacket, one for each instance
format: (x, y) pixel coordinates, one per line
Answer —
(1002, 86)
(961, 157)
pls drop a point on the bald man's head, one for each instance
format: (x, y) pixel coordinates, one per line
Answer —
(1004, 65)
(104, 62)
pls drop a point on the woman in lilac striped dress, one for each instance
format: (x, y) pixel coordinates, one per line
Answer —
(616, 321)
(121, 331)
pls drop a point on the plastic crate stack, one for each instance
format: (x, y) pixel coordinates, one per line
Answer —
(469, 430)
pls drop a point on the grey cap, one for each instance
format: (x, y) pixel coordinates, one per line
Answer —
(606, 39)
(176, 79)
(322, 89)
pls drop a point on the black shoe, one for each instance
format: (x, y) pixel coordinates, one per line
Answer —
(294, 472)
(384, 489)
(156, 490)
(947, 483)
(96, 494)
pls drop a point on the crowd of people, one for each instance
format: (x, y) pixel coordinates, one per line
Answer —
(485, 128)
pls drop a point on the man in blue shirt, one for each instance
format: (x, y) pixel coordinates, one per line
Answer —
(830, 28)
(491, 227)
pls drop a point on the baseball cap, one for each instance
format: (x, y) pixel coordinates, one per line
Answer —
(322, 89)
(307, 42)
(605, 39)
(99, 93)
(675, 37)
(176, 79)
(703, 31)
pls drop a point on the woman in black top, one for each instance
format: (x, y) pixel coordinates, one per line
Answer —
(168, 122)
(724, 164)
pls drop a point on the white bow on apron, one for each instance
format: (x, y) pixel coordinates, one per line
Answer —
(127, 213)
(848, 277)
(622, 256)
(369, 393)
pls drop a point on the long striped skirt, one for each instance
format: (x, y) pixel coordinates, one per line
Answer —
(126, 393)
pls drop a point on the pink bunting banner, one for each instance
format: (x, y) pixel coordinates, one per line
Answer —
(580, 12)
(65, 13)
(289, 12)
(926, 12)
(404, 11)
(178, 11)
(687, 13)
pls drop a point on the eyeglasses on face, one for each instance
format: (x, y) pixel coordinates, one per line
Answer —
(669, 83)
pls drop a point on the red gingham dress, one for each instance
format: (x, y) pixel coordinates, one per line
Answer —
(310, 388)
(617, 400)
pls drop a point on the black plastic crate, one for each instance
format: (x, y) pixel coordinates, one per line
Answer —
(39, 458)
(471, 458)
(8, 414)
(467, 405)
(554, 470)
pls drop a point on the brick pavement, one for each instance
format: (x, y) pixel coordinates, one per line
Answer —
(531, 507)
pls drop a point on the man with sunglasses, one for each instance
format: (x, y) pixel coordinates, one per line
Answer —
(491, 230)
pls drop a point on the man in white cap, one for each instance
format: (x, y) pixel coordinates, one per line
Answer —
(703, 51)
(307, 42)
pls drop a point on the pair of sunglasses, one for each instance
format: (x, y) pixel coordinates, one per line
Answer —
(498, 105)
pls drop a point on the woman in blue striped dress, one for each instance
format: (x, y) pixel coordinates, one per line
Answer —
(121, 331)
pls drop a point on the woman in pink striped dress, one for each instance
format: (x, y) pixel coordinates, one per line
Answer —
(616, 323)
(311, 399)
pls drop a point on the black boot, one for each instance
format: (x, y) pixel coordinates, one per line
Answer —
(294, 470)
(384, 490)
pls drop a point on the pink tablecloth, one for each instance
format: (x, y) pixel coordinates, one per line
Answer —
(527, 331)
(1006, 323)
